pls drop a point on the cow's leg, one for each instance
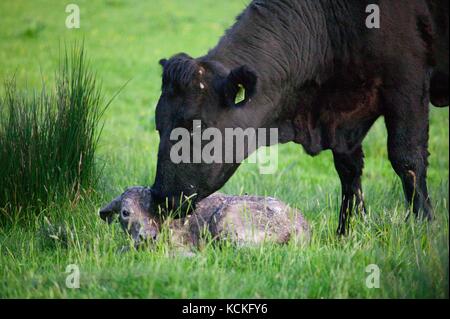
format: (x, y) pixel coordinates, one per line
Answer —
(350, 167)
(407, 110)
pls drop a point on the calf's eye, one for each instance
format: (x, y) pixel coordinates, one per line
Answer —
(125, 214)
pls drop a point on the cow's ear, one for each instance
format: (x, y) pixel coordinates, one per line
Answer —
(108, 212)
(162, 62)
(239, 86)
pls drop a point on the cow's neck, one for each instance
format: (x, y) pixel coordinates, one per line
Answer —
(286, 48)
(285, 56)
(294, 46)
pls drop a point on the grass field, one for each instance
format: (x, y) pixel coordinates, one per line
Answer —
(125, 40)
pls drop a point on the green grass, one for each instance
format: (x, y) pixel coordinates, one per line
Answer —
(48, 137)
(125, 39)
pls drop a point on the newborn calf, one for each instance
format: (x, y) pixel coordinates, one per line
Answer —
(243, 220)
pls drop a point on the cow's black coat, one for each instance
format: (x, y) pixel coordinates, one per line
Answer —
(315, 71)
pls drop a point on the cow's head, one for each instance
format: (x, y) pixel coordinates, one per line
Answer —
(135, 213)
(218, 97)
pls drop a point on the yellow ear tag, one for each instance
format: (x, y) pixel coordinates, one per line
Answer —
(240, 96)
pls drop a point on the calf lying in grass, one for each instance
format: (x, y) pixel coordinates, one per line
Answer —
(241, 220)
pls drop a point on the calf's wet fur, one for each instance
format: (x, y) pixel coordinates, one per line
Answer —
(241, 220)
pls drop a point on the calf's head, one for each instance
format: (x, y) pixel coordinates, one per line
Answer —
(134, 211)
(198, 94)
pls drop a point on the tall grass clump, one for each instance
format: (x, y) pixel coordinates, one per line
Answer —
(48, 138)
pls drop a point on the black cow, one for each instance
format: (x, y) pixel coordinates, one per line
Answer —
(314, 70)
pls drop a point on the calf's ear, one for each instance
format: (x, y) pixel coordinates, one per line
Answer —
(107, 213)
(239, 86)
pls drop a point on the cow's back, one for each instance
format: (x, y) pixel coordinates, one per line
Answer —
(416, 33)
